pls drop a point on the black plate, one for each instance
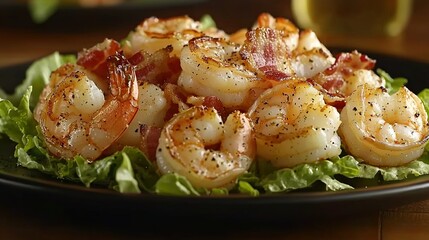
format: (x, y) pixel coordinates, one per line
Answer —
(16, 181)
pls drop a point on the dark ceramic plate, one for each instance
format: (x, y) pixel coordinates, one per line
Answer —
(17, 181)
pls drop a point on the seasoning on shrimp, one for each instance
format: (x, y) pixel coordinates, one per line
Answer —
(156, 33)
(77, 119)
(213, 67)
(293, 125)
(383, 129)
(197, 144)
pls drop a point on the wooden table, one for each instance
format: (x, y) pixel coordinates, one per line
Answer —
(72, 30)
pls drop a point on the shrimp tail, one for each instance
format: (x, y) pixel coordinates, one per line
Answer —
(122, 77)
(123, 87)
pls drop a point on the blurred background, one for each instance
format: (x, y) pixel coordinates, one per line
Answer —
(70, 25)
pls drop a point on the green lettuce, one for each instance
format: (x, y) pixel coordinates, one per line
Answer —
(41, 10)
(424, 96)
(207, 22)
(305, 175)
(392, 84)
(37, 76)
(176, 185)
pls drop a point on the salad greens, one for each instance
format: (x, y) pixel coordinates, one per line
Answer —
(392, 84)
(129, 171)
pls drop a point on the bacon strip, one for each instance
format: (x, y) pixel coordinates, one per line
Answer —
(158, 68)
(149, 140)
(94, 58)
(266, 53)
(332, 80)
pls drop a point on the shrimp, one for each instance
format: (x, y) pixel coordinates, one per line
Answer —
(209, 153)
(212, 67)
(155, 33)
(383, 129)
(293, 125)
(75, 116)
(310, 56)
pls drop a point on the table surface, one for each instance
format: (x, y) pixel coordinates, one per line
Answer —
(71, 30)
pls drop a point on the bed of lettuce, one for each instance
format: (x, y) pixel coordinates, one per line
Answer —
(129, 171)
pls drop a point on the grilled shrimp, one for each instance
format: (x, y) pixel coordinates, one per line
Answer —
(212, 67)
(75, 116)
(293, 125)
(310, 56)
(383, 129)
(155, 33)
(209, 153)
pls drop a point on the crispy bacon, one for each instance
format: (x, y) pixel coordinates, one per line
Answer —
(331, 98)
(346, 63)
(174, 95)
(332, 81)
(265, 52)
(149, 140)
(94, 59)
(158, 68)
(213, 101)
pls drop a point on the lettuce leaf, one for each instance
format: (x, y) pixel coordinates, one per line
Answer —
(41, 10)
(176, 185)
(424, 96)
(207, 22)
(305, 175)
(247, 188)
(392, 84)
(17, 122)
(37, 76)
